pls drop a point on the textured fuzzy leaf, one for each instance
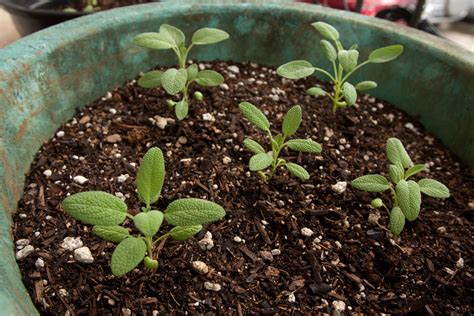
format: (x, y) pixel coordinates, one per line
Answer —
(192, 71)
(151, 175)
(208, 36)
(96, 208)
(181, 109)
(148, 223)
(414, 170)
(253, 146)
(409, 198)
(292, 121)
(385, 54)
(397, 221)
(209, 78)
(151, 79)
(176, 34)
(174, 80)
(254, 115)
(191, 212)
(326, 30)
(396, 153)
(396, 173)
(296, 69)
(297, 171)
(329, 50)
(371, 183)
(366, 85)
(349, 93)
(260, 161)
(348, 59)
(433, 188)
(316, 92)
(111, 233)
(304, 145)
(185, 232)
(128, 254)
(154, 40)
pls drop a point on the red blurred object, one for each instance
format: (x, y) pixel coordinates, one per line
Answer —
(369, 7)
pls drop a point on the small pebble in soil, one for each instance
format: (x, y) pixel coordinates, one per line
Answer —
(71, 243)
(471, 205)
(339, 306)
(374, 218)
(182, 140)
(266, 255)
(237, 239)
(340, 187)
(47, 173)
(113, 111)
(22, 215)
(39, 264)
(23, 253)
(83, 255)
(114, 138)
(224, 86)
(21, 243)
(291, 297)
(306, 232)
(122, 178)
(80, 179)
(441, 230)
(60, 134)
(200, 267)
(126, 311)
(338, 244)
(206, 243)
(233, 69)
(212, 286)
(208, 117)
(226, 160)
(161, 122)
(460, 263)
(276, 252)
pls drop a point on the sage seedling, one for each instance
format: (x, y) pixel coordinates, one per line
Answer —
(262, 160)
(344, 62)
(107, 212)
(177, 80)
(91, 6)
(406, 194)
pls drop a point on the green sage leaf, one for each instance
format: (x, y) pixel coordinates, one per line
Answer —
(292, 121)
(191, 212)
(297, 171)
(154, 41)
(148, 223)
(208, 36)
(396, 153)
(371, 183)
(304, 145)
(329, 50)
(150, 176)
(433, 188)
(366, 85)
(192, 71)
(128, 254)
(111, 233)
(184, 232)
(209, 78)
(316, 92)
(253, 146)
(397, 221)
(96, 208)
(174, 80)
(409, 198)
(326, 30)
(349, 93)
(176, 34)
(260, 161)
(385, 54)
(348, 59)
(151, 79)
(254, 115)
(414, 170)
(296, 69)
(181, 109)
(396, 173)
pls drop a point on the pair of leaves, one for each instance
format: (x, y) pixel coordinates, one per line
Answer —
(172, 37)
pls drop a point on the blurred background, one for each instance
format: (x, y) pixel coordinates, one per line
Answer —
(451, 19)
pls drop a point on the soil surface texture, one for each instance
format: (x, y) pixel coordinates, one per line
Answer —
(285, 247)
(79, 5)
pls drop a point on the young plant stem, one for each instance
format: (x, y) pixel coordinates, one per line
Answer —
(149, 245)
(395, 197)
(161, 237)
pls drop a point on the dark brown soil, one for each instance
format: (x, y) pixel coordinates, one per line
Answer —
(427, 270)
(79, 5)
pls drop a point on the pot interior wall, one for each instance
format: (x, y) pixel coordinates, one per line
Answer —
(46, 76)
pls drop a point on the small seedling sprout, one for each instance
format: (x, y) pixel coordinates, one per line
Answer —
(177, 80)
(344, 62)
(262, 160)
(91, 6)
(106, 212)
(406, 194)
